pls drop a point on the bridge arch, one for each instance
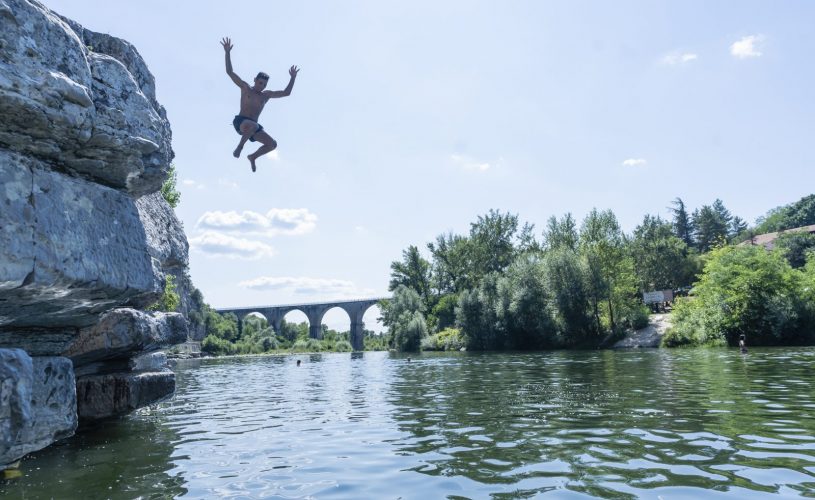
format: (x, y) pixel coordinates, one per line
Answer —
(314, 312)
(337, 314)
(292, 316)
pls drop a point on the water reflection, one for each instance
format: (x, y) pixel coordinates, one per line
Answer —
(658, 423)
(613, 424)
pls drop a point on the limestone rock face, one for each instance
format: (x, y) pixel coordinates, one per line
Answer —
(16, 377)
(37, 403)
(66, 100)
(126, 333)
(168, 244)
(72, 248)
(84, 148)
(102, 396)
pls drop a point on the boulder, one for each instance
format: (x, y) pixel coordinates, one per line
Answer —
(37, 403)
(102, 396)
(125, 333)
(16, 377)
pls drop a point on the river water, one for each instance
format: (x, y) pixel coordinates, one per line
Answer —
(681, 423)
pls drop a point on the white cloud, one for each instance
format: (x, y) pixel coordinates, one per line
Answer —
(218, 244)
(748, 46)
(323, 287)
(469, 163)
(361, 229)
(675, 58)
(635, 162)
(285, 221)
(192, 184)
(273, 156)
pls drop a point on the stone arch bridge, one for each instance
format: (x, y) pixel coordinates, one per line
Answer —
(314, 312)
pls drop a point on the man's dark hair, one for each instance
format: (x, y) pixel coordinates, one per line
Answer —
(262, 76)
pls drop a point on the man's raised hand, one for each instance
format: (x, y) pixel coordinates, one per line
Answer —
(227, 43)
(293, 71)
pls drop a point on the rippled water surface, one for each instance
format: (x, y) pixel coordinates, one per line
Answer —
(638, 424)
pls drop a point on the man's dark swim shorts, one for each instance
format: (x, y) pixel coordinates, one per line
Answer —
(237, 124)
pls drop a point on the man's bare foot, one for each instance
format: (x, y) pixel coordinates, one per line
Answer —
(252, 161)
(237, 152)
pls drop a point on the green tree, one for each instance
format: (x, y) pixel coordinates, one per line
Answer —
(492, 237)
(451, 263)
(443, 313)
(661, 259)
(798, 214)
(796, 246)
(168, 190)
(738, 227)
(566, 284)
(682, 224)
(561, 233)
(413, 272)
(602, 245)
(402, 314)
(523, 307)
(712, 229)
(744, 290)
(477, 318)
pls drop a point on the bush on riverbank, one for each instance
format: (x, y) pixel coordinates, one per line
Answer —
(749, 291)
(449, 339)
(307, 345)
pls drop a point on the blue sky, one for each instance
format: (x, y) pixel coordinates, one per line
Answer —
(411, 119)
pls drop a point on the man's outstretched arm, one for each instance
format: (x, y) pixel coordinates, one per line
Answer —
(287, 91)
(227, 44)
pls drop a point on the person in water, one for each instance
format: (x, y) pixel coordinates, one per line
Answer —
(253, 98)
(742, 344)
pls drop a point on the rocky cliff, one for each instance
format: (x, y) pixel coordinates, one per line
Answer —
(85, 240)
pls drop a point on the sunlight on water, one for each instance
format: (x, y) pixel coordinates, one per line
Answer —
(638, 424)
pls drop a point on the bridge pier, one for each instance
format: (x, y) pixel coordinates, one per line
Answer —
(357, 328)
(315, 321)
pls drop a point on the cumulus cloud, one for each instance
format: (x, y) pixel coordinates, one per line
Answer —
(635, 162)
(222, 245)
(676, 58)
(747, 46)
(469, 163)
(277, 221)
(307, 286)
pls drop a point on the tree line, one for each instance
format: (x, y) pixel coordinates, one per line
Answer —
(580, 285)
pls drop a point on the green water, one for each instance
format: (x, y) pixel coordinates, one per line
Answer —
(639, 424)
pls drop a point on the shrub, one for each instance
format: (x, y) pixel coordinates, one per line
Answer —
(343, 346)
(307, 345)
(449, 339)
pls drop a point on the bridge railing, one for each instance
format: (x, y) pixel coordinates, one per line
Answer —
(322, 303)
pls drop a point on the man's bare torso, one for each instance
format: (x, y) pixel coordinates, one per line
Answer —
(252, 103)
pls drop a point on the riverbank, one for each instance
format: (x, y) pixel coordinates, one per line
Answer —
(650, 336)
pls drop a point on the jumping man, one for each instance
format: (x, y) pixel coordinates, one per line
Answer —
(252, 101)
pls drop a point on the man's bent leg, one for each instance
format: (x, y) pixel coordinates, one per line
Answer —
(248, 127)
(269, 144)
